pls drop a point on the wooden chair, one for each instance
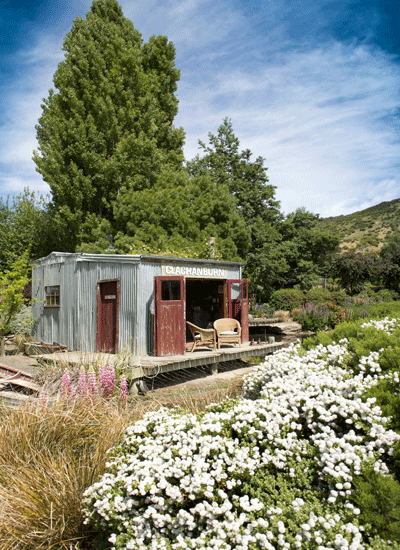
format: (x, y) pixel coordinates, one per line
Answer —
(228, 331)
(202, 336)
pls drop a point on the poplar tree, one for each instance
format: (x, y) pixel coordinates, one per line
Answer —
(107, 128)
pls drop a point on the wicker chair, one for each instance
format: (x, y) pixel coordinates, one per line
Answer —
(228, 331)
(202, 336)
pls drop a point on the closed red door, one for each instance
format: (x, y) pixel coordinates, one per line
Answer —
(238, 304)
(107, 316)
(169, 319)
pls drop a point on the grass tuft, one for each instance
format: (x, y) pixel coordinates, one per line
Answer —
(48, 457)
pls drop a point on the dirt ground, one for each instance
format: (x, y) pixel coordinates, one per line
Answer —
(19, 360)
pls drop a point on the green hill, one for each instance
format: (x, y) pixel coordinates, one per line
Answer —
(366, 230)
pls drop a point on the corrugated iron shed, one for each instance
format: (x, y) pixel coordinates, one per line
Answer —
(72, 291)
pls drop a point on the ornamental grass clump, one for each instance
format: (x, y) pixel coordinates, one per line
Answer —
(285, 466)
(49, 455)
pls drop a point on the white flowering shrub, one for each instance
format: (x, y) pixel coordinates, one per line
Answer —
(274, 469)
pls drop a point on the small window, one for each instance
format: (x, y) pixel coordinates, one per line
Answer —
(170, 290)
(52, 296)
(236, 291)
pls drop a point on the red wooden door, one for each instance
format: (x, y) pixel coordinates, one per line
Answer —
(169, 319)
(107, 316)
(238, 304)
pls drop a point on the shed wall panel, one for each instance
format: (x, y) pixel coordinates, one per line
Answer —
(89, 274)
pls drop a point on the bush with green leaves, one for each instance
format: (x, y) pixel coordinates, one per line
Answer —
(21, 325)
(315, 317)
(287, 298)
(12, 283)
(318, 295)
(287, 465)
(339, 297)
(386, 295)
(261, 310)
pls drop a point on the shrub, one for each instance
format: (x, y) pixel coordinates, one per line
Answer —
(340, 297)
(314, 317)
(276, 468)
(297, 313)
(21, 325)
(287, 298)
(261, 310)
(386, 295)
(384, 309)
(378, 498)
(318, 296)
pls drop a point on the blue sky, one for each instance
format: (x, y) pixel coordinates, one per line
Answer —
(311, 86)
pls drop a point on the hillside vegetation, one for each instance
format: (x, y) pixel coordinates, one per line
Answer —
(366, 230)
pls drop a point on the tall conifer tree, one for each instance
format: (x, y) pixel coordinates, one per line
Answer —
(108, 127)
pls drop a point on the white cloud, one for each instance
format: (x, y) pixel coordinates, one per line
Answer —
(188, 23)
(15, 184)
(319, 119)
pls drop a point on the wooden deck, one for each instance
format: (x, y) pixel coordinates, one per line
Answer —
(16, 387)
(149, 366)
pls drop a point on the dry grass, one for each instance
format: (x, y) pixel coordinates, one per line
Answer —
(297, 312)
(195, 399)
(282, 315)
(50, 455)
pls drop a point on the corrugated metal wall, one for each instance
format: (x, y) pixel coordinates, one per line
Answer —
(55, 324)
(89, 273)
(145, 312)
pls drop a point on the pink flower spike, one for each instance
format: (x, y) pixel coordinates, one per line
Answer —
(66, 388)
(107, 381)
(92, 381)
(82, 382)
(123, 389)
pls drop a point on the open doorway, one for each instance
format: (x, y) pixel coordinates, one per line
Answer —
(205, 301)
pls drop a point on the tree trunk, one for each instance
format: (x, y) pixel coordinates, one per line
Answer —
(2, 345)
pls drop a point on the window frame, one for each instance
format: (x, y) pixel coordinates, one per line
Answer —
(51, 296)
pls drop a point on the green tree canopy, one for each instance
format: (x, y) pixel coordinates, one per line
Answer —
(354, 269)
(306, 249)
(108, 127)
(390, 262)
(177, 214)
(246, 179)
(25, 225)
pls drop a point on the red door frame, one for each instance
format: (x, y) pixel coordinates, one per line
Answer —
(169, 319)
(238, 308)
(115, 314)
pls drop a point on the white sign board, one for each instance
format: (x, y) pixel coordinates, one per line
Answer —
(195, 272)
